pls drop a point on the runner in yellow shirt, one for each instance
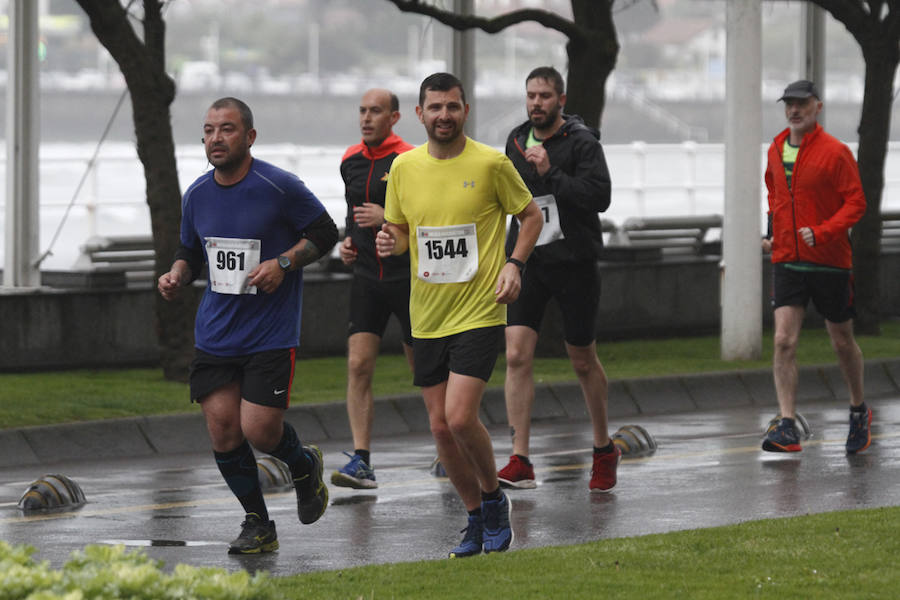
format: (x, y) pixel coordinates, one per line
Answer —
(447, 203)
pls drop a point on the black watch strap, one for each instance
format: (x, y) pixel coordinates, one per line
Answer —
(518, 263)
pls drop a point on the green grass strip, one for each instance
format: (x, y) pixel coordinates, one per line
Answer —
(42, 398)
(849, 554)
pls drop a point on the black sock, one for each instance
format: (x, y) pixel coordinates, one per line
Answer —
(475, 512)
(364, 454)
(487, 496)
(238, 467)
(524, 459)
(610, 447)
(290, 450)
(861, 408)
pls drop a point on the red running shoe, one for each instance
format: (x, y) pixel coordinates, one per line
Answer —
(517, 474)
(603, 474)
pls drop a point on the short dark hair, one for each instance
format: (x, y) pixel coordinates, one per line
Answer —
(551, 75)
(240, 105)
(441, 82)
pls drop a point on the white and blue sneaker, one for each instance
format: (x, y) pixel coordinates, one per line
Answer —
(355, 474)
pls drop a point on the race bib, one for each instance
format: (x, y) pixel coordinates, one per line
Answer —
(551, 230)
(230, 262)
(447, 254)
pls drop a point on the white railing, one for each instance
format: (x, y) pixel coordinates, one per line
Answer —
(647, 179)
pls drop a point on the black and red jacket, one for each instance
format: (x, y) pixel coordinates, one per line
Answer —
(365, 172)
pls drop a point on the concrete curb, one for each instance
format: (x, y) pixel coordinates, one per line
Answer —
(397, 415)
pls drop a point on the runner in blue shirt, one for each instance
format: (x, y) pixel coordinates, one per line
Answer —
(255, 226)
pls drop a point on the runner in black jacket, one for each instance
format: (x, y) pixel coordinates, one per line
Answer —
(380, 285)
(562, 162)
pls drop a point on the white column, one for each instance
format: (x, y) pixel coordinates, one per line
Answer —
(22, 142)
(464, 60)
(813, 66)
(741, 254)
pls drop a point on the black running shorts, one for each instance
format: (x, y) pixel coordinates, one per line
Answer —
(472, 353)
(372, 302)
(576, 288)
(831, 292)
(265, 377)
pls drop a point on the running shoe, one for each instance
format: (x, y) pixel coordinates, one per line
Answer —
(472, 540)
(256, 536)
(355, 474)
(312, 494)
(498, 534)
(782, 437)
(603, 471)
(860, 435)
(517, 474)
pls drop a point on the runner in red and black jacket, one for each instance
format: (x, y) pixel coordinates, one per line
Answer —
(380, 286)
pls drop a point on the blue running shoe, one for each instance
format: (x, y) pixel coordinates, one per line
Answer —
(782, 437)
(471, 542)
(860, 435)
(498, 535)
(355, 474)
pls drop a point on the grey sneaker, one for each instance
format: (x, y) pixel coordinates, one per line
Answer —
(256, 536)
(312, 494)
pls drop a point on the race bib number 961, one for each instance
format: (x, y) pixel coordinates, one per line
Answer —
(447, 254)
(230, 262)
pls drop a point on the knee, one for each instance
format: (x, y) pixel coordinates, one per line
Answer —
(360, 367)
(440, 430)
(784, 343)
(265, 436)
(518, 358)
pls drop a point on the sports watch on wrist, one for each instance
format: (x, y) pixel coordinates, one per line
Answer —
(519, 264)
(285, 263)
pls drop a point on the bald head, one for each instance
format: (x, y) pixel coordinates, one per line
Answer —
(379, 110)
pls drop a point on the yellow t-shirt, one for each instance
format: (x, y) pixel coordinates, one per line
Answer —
(469, 196)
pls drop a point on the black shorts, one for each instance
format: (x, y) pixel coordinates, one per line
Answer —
(576, 288)
(372, 302)
(472, 353)
(265, 377)
(830, 291)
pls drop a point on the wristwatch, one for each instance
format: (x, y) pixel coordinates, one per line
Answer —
(518, 263)
(285, 263)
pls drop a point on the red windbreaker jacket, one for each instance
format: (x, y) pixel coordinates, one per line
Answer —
(825, 194)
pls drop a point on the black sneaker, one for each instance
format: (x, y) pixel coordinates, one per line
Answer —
(860, 435)
(312, 495)
(256, 536)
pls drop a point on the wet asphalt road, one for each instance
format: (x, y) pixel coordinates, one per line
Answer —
(707, 471)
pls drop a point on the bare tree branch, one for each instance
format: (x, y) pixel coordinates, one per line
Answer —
(546, 18)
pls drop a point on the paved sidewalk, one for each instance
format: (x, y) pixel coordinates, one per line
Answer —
(178, 434)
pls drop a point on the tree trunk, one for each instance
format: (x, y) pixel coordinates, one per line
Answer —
(591, 60)
(874, 126)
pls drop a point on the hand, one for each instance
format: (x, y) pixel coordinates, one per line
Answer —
(385, 242)
(807, 234)
(767, 245)
(537, 156)
(267, 276)
(169, 284)
(368, 214)
(347, 251)
(509, 284)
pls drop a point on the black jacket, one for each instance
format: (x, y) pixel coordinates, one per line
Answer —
(579, 180)
(365, 171)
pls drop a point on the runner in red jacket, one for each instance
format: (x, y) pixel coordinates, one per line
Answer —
(815, 197)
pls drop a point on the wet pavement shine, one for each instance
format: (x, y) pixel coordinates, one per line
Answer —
(708, 471)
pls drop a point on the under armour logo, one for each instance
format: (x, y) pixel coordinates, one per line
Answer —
(469, 183)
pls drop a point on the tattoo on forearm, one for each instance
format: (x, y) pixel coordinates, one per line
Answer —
(306, 254)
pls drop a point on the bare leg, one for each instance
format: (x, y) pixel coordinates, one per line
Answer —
(594, 386)
(788, 321)
(459, 470)
(519, 387)
(463, 399)
(849, 356)
(362, 351)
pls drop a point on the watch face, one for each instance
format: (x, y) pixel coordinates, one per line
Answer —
(284, 262)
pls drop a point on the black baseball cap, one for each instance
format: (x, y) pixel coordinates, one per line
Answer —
(800, 89)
